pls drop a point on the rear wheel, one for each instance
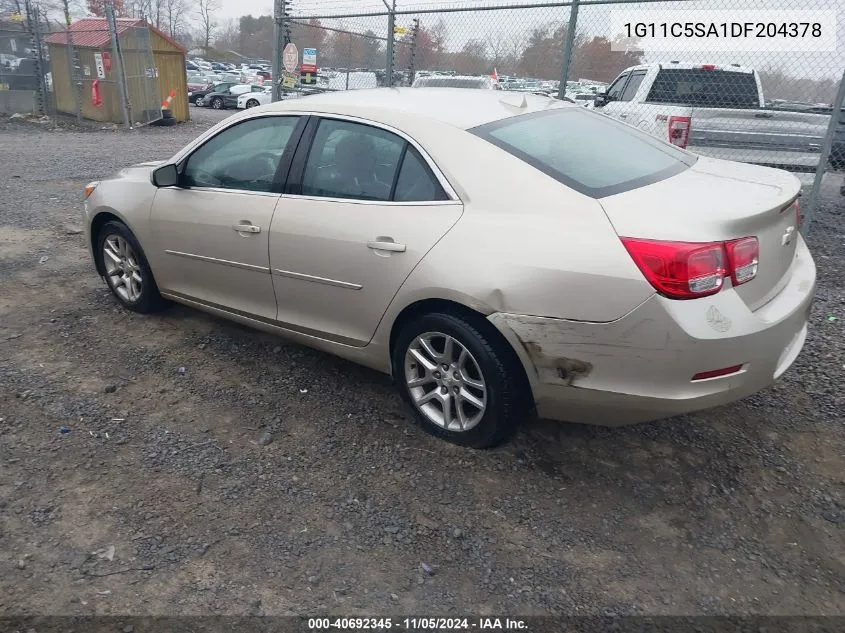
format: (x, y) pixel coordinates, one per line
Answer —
(126, 270)
(217, 103)
(462, 382)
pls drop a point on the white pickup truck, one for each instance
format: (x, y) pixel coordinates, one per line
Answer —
(715, 111)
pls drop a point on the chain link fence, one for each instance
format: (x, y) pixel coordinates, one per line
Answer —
(25, 83)
(105, 70)
(98, 69)
(768, 107)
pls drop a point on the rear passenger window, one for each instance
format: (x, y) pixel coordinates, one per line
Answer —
(361, 162)
(416, 183)
(351, 160)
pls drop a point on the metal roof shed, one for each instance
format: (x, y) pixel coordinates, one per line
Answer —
(154, 66)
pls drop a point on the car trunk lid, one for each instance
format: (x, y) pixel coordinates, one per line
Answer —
(716, 201)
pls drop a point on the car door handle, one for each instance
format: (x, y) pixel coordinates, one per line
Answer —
(246, 228)
(386, 246)
(623, 116)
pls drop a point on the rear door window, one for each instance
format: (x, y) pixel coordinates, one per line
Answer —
(591, 153)
(352, 160)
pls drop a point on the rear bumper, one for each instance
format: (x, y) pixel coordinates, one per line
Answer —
(640, 367)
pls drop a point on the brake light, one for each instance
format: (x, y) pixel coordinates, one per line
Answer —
(679, 130)
(688, 270)
(680, 270)
(743, 256)
(799, 218)
(708, 67)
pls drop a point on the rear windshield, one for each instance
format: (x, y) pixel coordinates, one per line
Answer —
(588, 152)
(705, 88)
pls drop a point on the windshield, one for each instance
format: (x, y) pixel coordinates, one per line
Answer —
(588, 152)
(705, 88)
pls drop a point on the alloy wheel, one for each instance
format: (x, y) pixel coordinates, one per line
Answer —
(445, 381)
(122, 268)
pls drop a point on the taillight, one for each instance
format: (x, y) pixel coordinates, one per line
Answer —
(680, 270)
(799, 219)
(679, 130)
(688, 270)
(743, 256)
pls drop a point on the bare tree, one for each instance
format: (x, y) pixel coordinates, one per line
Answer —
(517, 43)
(208, 24)
(498, 48)
(14, 7)
(439, 37)
(149, 10)
(228, 35)
(174, 13)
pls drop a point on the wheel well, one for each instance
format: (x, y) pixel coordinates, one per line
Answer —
(428, 306)
(96, 224)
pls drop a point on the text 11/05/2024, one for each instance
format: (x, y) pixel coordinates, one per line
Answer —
(419, 624)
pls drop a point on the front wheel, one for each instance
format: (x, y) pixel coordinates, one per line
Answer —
(126, 270)
(252, 103)
(462, 381)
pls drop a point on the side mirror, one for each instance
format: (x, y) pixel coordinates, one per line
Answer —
(601, 100)
(166, 176)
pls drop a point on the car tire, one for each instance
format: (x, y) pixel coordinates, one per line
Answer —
(506, 396)
(133, 284)
(252, 103)
(197, 100)
(217, 103)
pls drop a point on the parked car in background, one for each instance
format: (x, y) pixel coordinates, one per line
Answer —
(586, 99)
(197, 83)
(351, 81)
(716, 111)
(197, 97)
(23, 77)
(497, 254)
(225, 98)
(253, 98)
(458, 81)
(9, 62)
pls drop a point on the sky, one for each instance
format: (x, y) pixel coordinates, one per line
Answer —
(503, 27)
(237, 8)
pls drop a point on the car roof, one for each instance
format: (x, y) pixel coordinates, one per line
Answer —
(462, 108)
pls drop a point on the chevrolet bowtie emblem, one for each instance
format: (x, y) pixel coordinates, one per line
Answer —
(786, 238)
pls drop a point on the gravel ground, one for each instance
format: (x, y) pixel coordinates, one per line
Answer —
(271, 479)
